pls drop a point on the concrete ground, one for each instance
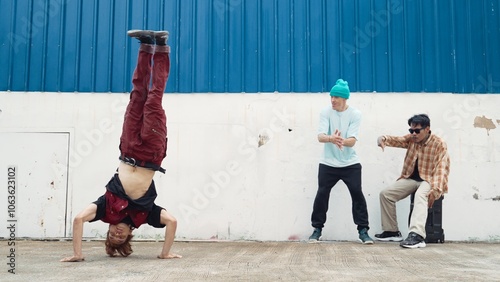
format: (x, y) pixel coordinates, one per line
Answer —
(256, 261)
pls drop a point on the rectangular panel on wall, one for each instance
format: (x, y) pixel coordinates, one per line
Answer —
(334, 55)
(87, 40)
(185, 67)
(316, 50)
(118, 53)
(299, 46)
(430, 46)
(267, 46)
(478, 41)
(250, 47)
(493, 45)
(347, 26)
(19, 40)
(396, 48)
(377, 28)
(218, 50)
(413, 46)
(446, 36)
(235, 41)
(172, 23)
(40, 182)
(255, 45)
(8, 46)
(53, 54)
(365, 31)
(69, 51)
(284, 35)
(104, 60)
(38, 47)
(192, 63)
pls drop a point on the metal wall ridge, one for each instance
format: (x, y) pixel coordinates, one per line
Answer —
(236, 46)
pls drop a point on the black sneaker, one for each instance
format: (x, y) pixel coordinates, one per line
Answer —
(316, 236)
(364, 237)
(413, 241)
(161, 37)
(387, 236)
(144, 36)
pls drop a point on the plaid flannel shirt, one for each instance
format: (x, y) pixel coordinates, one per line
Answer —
(433, 160)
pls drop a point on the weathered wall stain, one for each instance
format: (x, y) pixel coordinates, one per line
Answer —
(263, 138)
(484, 122)
(476, 197)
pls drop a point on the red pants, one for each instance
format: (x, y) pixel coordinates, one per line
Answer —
(144, 134)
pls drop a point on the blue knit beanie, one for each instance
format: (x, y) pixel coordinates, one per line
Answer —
(340, 89)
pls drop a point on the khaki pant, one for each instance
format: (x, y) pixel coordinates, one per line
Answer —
(398, 191)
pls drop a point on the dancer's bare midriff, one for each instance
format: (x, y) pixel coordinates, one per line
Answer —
(135, 180)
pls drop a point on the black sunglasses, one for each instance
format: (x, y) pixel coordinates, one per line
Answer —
(416, 130)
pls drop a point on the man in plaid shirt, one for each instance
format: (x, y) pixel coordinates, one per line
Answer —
(425, 172)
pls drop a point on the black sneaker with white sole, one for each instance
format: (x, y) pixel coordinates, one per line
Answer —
(386, 236)
(315, 236)
(413, 241)
(144, 36)
(149, 36)
(364, 238)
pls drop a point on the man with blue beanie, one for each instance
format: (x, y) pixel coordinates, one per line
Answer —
(338, 130)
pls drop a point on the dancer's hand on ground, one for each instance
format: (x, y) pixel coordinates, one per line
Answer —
(169, 256)
(73, 259)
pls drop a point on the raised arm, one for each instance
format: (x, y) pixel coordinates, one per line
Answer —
(170, 228)
(393, 141)
(84, 216)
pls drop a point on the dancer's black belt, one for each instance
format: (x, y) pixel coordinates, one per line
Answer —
(134, 162)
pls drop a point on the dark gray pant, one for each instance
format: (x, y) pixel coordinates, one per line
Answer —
(327, 178)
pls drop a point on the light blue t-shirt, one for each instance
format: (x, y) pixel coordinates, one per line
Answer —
(347, 122)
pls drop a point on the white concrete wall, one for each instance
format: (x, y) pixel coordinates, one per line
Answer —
(244, 166)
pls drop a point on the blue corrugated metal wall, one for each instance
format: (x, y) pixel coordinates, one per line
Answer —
(255, 45)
